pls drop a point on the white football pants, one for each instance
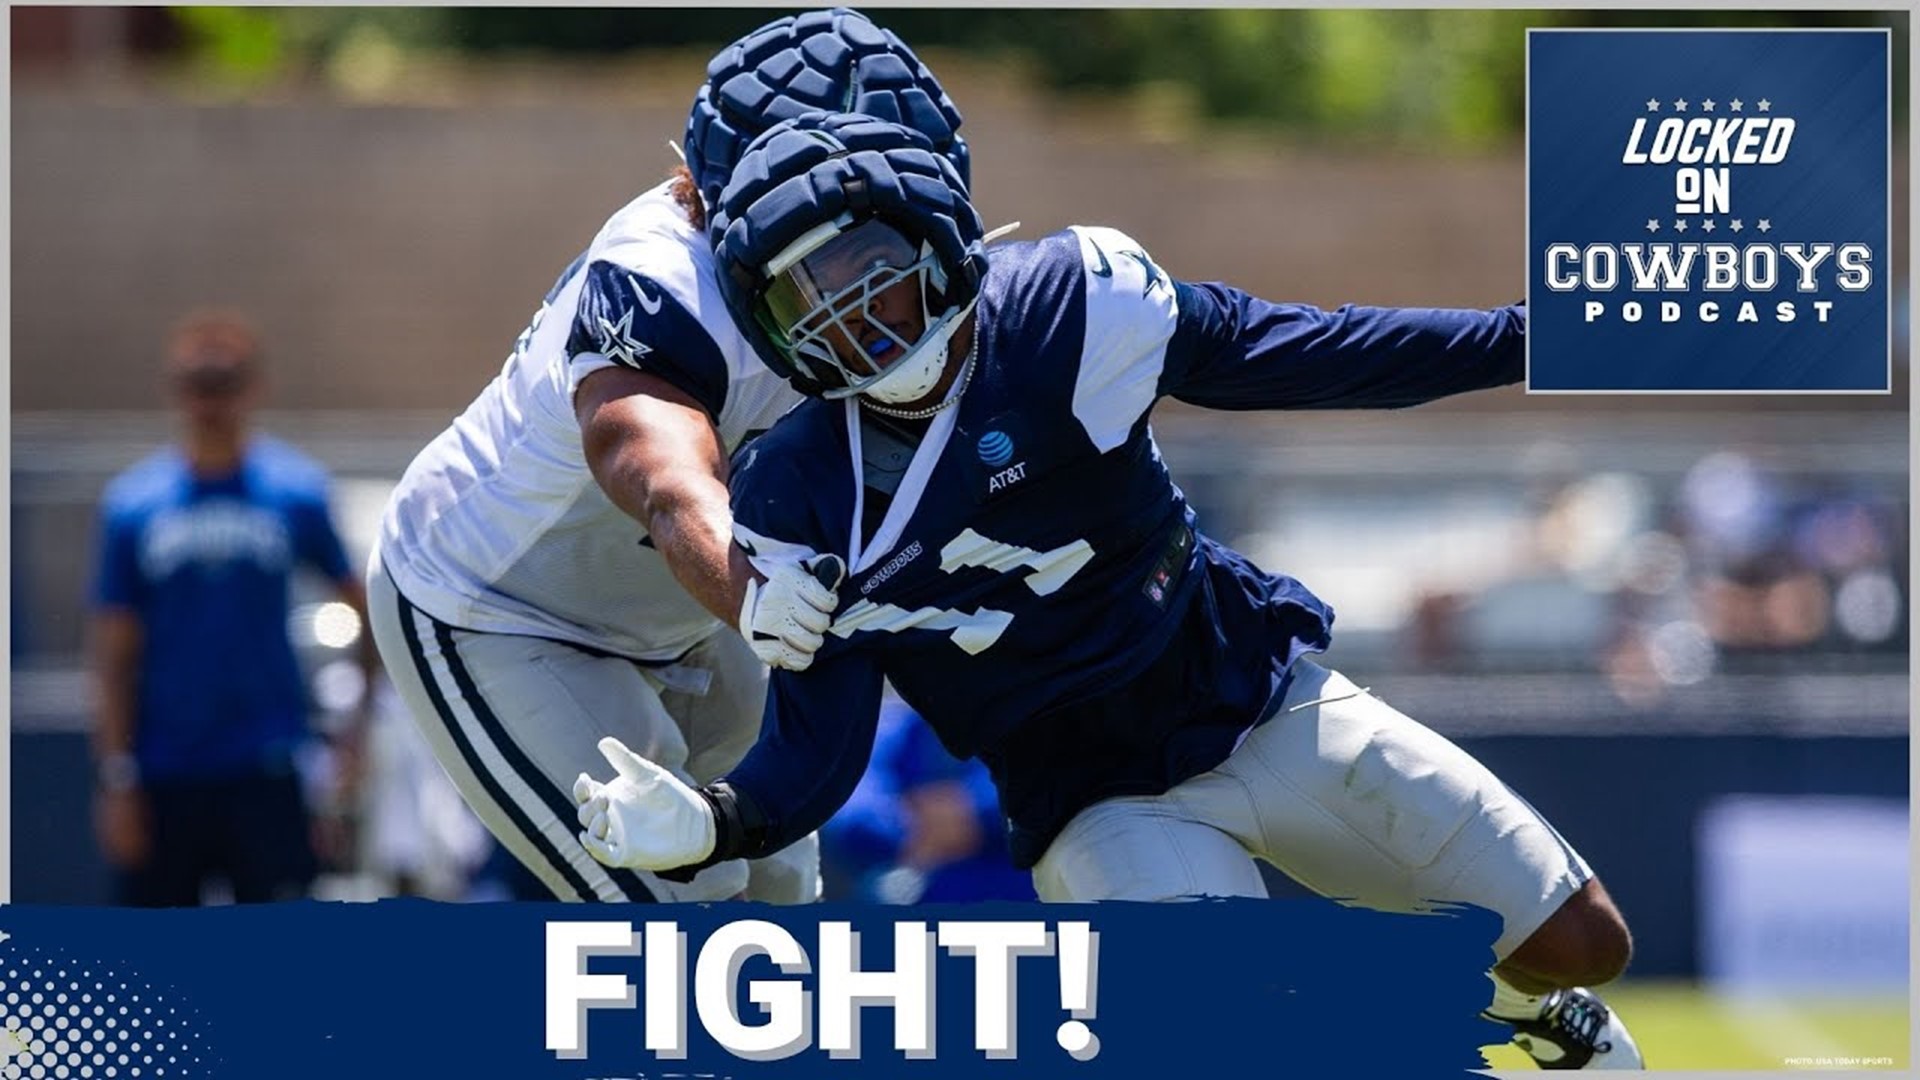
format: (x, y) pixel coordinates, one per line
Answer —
(514, 719)
(1348, 796)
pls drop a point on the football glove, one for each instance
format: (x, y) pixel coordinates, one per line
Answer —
(785, 617)
(645, 818)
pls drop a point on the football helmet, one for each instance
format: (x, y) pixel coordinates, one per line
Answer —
(848, 253)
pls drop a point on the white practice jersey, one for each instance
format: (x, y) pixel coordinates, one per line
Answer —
(499, 526)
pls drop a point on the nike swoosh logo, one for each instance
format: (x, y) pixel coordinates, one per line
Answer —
(648, 303)
(1105, 269)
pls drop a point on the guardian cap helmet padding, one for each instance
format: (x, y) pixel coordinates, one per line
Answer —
(833, 61)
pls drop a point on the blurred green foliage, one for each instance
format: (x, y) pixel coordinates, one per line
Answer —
(1432, 79)
(237, 44)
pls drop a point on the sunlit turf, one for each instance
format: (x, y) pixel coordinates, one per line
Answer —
(1685, 1026)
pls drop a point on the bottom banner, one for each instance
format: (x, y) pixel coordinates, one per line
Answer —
(708, 992)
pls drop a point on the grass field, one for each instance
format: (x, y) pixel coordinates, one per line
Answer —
(1682, 1026)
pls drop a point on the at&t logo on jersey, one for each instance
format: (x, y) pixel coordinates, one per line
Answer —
(1708, 211)
(996, 450)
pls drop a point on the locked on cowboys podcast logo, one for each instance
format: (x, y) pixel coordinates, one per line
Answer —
(1707, 211)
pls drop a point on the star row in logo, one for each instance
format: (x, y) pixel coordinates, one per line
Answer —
(1708, 105)
(1707, 225)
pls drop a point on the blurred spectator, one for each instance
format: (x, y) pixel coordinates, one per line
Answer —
(921, 827)
(201, 708)
(1779, 569)
(1853, 541)
(1664, 582)
(1751, 590)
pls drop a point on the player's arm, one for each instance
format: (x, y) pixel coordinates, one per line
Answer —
(813, 748)
(815, 741)
(1232, 350)
(656, 453)
(648, 382)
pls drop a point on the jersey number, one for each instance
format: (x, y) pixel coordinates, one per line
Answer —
(974, 632)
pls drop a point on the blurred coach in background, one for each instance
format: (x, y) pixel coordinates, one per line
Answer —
(200, 702)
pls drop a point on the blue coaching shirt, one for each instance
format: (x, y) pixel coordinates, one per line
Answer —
(869, 835)
(204, 562)
(1035, 588)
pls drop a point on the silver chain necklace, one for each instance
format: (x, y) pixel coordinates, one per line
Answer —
(966, 377)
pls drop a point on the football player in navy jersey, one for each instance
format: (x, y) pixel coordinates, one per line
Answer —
(1028, 577)
(559, 565)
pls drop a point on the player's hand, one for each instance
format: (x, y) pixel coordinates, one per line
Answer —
(645, 818)
(785, 616)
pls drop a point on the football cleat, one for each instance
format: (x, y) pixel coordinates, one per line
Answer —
(1576, 1030)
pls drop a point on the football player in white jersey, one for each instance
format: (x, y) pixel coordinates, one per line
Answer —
(1028, 577)
(558, 565)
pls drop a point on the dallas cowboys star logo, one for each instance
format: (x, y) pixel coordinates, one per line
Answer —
(616, 339)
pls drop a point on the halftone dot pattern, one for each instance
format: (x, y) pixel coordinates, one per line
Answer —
(61, 1019)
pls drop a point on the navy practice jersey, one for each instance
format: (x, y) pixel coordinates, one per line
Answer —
(1035, 589)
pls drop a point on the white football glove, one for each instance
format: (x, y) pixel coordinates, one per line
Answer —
(785, 617)
(645, 819)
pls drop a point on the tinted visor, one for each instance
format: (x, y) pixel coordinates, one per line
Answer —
(839, 264)
(822, 309)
